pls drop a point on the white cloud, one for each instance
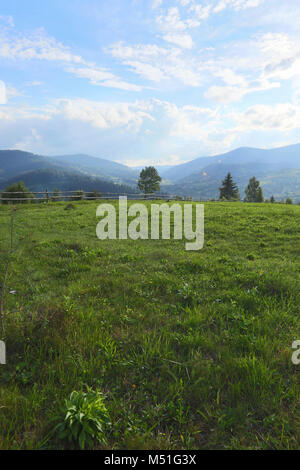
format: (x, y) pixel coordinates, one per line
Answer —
(230, 94)
(181, 40)
(156, 4)
(171, 21)
(157, 131)
(174, 28)
(102, 77)
(38, 45)
(280, 117)
(120, 130)
(201, 12)
(190, 122)
(31, 139)
(158, 63)
(104, 115)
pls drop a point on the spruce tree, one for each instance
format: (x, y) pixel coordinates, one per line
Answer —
(229, 190)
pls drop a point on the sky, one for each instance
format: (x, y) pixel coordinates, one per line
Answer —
(149, 81)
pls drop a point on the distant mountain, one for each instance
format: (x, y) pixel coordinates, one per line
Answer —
(271, 160)
(277, 169)
(202, 177)
(95, 166)
(162, 169)
(178, 172)
(13, 162)
(65, 180)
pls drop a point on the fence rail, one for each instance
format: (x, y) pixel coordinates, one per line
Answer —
(47, 196)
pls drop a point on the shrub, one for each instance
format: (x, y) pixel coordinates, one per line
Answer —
(84, 419)
(18, 193)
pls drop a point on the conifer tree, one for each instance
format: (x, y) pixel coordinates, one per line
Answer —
(229, 190)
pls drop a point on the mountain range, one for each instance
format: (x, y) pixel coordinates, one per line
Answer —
(64, 172)
(277, 169)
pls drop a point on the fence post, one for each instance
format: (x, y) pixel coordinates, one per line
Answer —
(47, 196)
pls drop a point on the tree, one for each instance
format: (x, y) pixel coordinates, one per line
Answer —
(260, 195)
(272, 200)
(18, 193)
(229, 190)
(149, 180)
(254, 191)
(289, 201)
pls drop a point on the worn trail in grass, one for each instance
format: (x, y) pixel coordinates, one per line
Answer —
(191, 349)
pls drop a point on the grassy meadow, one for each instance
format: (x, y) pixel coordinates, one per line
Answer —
(191, 350)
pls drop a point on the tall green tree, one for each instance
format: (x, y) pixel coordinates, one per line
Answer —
(17, 193)
(272, 199)
(149, 180)
(229, 189)
(254, 192)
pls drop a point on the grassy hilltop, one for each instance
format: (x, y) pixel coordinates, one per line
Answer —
(192, 350)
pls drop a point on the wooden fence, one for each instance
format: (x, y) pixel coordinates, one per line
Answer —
(50, 196)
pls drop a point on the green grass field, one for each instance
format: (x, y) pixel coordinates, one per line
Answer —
(192, 350)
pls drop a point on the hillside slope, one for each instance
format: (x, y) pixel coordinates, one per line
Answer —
(95, 166)
(278, 171)
(271, 160)
(40, 180)
(14, 162)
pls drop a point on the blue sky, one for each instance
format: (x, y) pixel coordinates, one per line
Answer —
(149, 81)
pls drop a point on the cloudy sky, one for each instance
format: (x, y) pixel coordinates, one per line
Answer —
(149, 81)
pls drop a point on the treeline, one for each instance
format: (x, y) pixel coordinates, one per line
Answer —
(19, 193)
(39, 180)
(253, 192)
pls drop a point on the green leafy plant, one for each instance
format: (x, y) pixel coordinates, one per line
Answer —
(85, 418)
